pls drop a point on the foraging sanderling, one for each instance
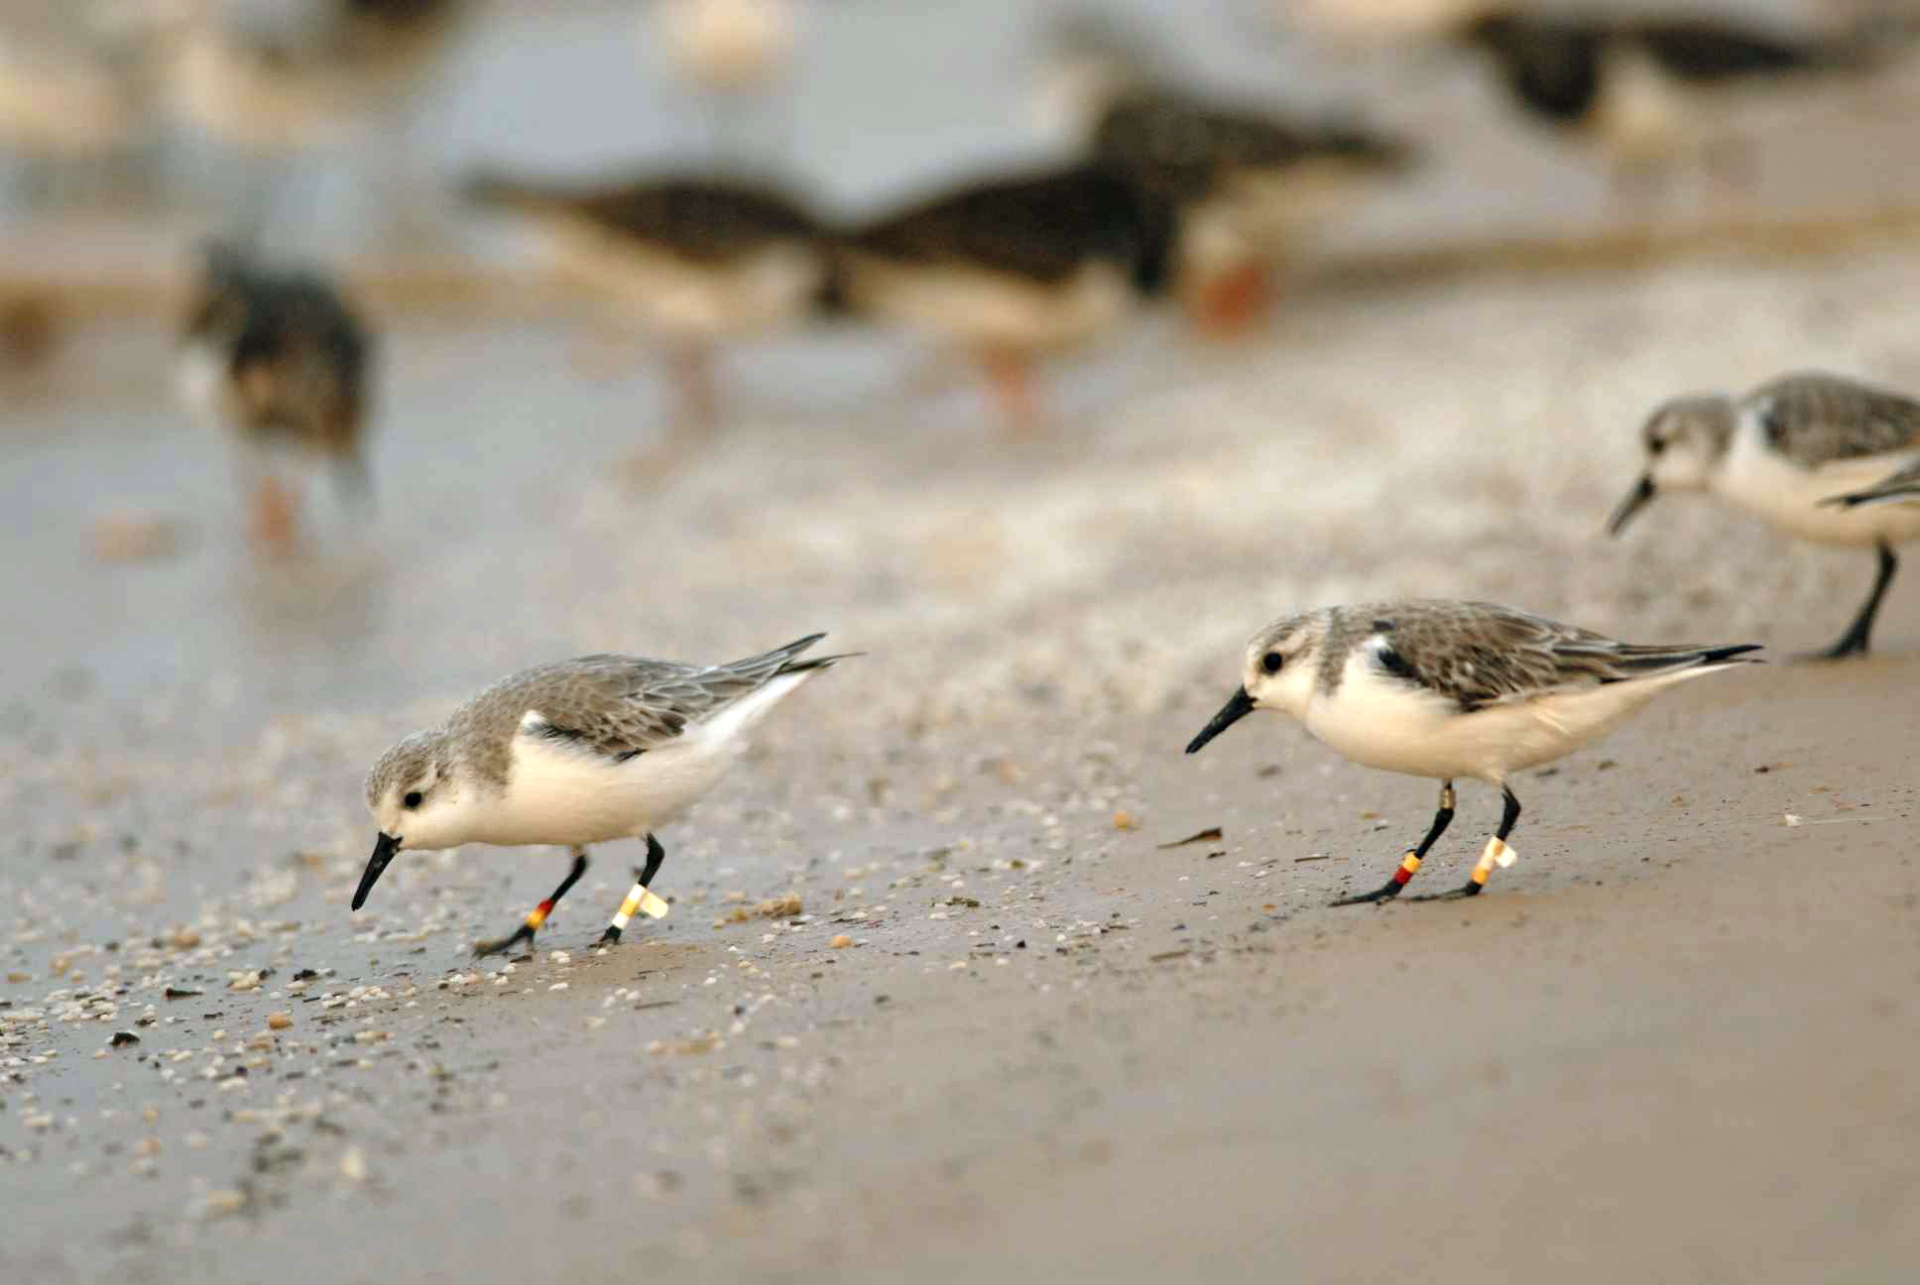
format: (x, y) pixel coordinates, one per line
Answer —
(1782, 451)
(577, 752)
(279, 358)
(1446, 689)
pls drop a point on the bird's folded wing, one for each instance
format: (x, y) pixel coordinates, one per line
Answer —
(1816, 419)
(1500, 655)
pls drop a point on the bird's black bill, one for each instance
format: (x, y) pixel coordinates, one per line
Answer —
(1237, 707)
(1636, 499)
(383, 849)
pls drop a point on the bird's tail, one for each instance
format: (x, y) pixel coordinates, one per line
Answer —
(1892, 491)
(1629, 662)
(783, 660)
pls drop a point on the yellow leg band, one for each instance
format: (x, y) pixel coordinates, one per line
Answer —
(631, 904)
(1484, 866)
(1411, 864)
(536, 916)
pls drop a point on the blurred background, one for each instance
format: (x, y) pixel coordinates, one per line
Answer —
(354, 354)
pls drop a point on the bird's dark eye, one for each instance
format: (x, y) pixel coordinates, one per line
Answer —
(1271, 662)
(1655, 445)
(412, 799)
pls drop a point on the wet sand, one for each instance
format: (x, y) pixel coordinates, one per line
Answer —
(1674, 1042)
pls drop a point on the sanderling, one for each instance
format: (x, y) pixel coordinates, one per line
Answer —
(1012, 267)
(1251, 179)
(280, 359)
(1448, 689)
(573, 753)
(692, 260)
(1780, 452)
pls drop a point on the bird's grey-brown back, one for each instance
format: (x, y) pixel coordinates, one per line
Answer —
(411, 760)
(1700, 425)
(1471, 653)
(609, 704)
(1814, 418)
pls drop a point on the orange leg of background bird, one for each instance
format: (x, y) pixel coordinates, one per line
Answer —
(699, 393)
(1231, 303)
(275, 514)
(1010, 371)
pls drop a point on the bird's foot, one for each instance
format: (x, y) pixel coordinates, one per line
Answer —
(482, 949)
(1846, 649)
(611, 937)
(1378, 897)
(1469, 889)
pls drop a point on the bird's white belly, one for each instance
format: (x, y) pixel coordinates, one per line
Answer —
(981, 308)
(561, 795)
(202, 381)
(679, 299)
(1788, 496)
(1307, 197)
(1382, 723)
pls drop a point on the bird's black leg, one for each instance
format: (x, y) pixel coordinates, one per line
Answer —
(1854, 641)
(638, 898)
(538, 915)
(1412, 861)
(1495, 850)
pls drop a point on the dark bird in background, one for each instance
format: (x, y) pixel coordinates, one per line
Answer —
(690, 261)
(1640, 86)
(1010, 268)
(278, 358)
(1252, 180)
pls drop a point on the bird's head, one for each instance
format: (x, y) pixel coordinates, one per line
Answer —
(1685, 441)
(414, 795)
(1278, 673)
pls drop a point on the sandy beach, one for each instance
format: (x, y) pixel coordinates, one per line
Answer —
(943, 996)
(1672, 1043)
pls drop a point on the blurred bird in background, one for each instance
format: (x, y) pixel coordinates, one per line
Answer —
(690, 261)
(1649, 89)
(1010, 268)
(1253, 182)
(279, 359)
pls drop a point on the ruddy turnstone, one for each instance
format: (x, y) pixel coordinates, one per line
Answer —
(690, 260)
(1013, 267)
(278, 357)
